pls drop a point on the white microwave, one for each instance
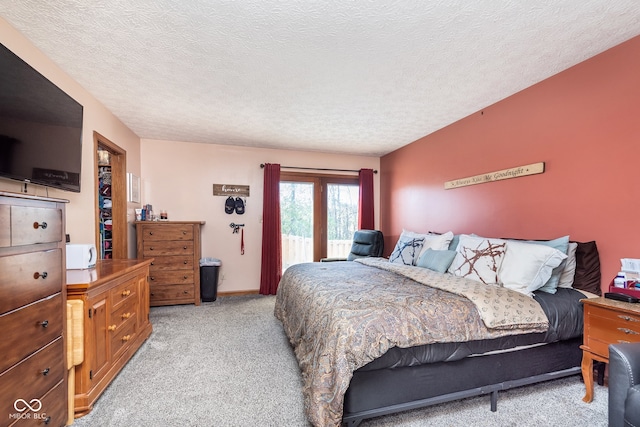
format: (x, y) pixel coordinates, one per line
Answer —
(81, 256)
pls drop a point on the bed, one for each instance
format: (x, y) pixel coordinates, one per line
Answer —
(374, 337)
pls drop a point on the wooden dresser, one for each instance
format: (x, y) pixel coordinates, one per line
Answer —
(175, 270)
(115, 296)
(606, 321)
(33, 372)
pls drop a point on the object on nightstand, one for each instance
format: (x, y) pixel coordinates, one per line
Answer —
(630, 270)
(621, 297)
(620, 280)
(630, 265)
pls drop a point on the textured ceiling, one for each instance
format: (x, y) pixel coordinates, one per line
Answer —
(362, 77)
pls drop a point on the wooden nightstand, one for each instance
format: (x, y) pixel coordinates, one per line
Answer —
(606, 322)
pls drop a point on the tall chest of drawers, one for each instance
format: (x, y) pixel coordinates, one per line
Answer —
(174, 276)
(33, 373)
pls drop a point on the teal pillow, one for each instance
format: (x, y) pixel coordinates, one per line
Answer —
(436, 260)
(453, 244)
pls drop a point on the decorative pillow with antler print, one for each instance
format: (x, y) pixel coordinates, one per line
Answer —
(408, 248)
(478, 258)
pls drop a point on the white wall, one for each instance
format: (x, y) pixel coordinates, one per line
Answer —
(178, 177)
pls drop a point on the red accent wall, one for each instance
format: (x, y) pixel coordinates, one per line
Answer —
(584, 123)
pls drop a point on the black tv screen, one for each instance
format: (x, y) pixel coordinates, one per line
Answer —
(40, 127)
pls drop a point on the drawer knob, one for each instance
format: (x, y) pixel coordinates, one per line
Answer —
(152, 278)
(627, 318)
(628, 331)
(44, 323)
(126, 293)
(37, 225)
(184, 277)
(184, 233)
(151, 248)
(185, 292)
(126, 338)
(184, 247)
(186, 262)
(45, 372)
(111, 327)
(126, 315)
(47, 420)
(42, 275)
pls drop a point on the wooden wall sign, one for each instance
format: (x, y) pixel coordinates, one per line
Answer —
(231, 190)
(532, 169)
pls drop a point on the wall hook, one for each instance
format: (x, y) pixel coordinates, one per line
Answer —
(235, 227)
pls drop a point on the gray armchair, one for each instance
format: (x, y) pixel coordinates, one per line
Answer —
(366, 243)
(624, 385)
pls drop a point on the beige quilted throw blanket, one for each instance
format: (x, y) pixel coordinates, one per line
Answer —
(339, 316)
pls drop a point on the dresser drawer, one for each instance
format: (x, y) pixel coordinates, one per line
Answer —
(37, 373)
(161, 263)
(53, 411)
(122, 336)
(29, 277)
(177, 293)
(31, 225)
(125, 293)
(607, 326)
(171, 277)
(124, 313)
(169, 247)
(27, 329)
(167, 232)
(5, 226)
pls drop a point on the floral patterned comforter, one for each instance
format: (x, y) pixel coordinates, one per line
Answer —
(339, 316)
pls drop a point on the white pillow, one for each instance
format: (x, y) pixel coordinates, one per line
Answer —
(478, 258)
(569, 272)
(526, 267)
(437, 242)
(408, 248)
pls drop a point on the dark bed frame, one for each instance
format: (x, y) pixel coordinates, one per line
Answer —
(374, 393)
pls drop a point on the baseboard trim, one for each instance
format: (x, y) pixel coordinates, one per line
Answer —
(237, 293)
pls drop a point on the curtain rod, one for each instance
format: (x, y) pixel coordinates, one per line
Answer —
(318, 169)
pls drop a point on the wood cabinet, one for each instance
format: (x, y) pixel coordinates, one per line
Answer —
(606, 321)
(33, 370)
(115, 296)
(174, 276)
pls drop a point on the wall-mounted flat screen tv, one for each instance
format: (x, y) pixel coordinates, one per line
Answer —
(40, 127)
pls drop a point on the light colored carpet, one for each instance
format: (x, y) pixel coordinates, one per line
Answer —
(228, 363)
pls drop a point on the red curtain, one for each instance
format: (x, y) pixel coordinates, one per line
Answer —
(365, 201)
(271, 269)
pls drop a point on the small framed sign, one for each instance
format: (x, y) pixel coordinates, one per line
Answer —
(526, 170)
(231, 190)
(133, 188)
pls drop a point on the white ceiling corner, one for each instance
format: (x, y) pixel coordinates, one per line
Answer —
(361, 77)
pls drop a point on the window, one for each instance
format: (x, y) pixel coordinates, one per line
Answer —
(319, 214)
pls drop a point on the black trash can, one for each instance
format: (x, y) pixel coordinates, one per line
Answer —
(209, 271)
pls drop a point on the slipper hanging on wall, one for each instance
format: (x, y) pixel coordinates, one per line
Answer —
(239, 206)
(229, 205)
